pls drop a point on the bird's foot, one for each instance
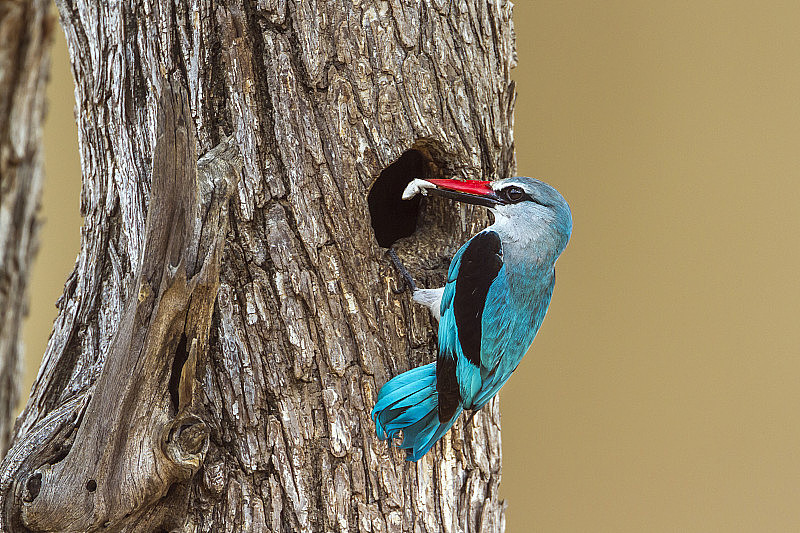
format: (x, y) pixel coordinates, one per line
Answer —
(409, 281)
(471, 416)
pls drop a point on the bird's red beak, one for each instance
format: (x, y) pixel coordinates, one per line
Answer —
(470, 192)
(480, 188)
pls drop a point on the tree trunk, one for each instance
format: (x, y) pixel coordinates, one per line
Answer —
(25, 29)
(221, 342)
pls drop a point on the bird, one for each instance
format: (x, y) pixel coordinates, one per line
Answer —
(499, 286)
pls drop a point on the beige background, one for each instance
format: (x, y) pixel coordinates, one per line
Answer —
(663, 391)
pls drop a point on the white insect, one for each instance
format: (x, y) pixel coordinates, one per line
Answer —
(417, 186)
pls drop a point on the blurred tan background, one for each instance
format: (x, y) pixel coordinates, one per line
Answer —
(663, 392)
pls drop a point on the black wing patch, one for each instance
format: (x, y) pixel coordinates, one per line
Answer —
(480, 263)
(447, 387)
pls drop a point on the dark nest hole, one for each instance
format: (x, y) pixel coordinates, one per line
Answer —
(425, 233)
(392, 217)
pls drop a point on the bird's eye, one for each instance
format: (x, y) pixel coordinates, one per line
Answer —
(514, 194)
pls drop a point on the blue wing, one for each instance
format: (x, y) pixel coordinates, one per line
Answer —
(486, 327)
(510, 322)
(472, 272)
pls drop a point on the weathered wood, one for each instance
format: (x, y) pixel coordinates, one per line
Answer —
(137, 432)
(25, 35)
(318, 98)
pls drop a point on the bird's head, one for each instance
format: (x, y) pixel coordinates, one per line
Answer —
(523, 207)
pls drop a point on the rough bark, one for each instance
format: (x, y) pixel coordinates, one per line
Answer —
(25, 29)
(225, 382)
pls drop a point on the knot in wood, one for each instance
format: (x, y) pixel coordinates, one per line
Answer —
(185, 442)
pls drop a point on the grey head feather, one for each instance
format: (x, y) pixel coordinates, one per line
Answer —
(541, 223)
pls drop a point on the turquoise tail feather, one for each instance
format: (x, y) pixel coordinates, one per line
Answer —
(409, 403)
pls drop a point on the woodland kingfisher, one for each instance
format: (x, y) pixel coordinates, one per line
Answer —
(498, 289)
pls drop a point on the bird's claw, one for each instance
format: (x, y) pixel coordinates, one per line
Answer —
(469, 421)
(409, 281)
